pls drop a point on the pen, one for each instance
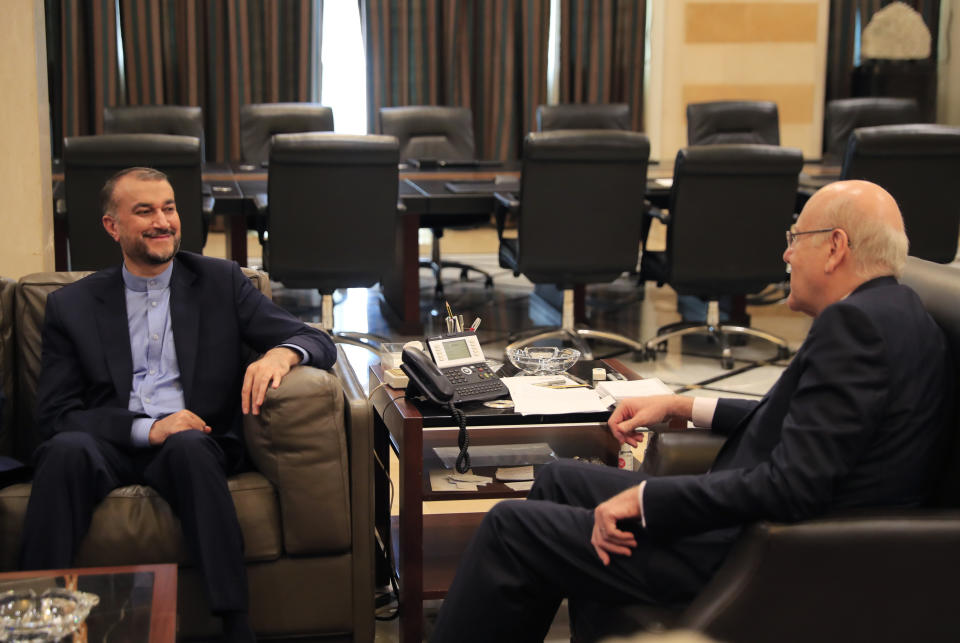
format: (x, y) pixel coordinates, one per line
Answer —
(449, 311)
(569, 386)
(475, 325)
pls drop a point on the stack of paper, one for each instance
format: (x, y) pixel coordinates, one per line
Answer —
(622, 389)
(531, 399)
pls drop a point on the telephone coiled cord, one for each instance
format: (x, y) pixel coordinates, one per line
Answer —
(463, 440)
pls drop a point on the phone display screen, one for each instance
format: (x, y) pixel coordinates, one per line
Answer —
(456, 349)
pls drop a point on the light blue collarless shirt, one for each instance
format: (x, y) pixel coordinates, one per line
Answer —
(156, 390)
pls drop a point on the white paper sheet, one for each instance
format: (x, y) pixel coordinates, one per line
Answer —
(622, 389)
(530, 399)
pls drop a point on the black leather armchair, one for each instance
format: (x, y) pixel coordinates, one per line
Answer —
(179, 120)
(733, 121)
(333, 215)
(259, 122)
(729, 208)
(885, 576)
(847, 114)
(583, 116)
(440, 133)
(579, 218)
(88, 161)
(918, 164)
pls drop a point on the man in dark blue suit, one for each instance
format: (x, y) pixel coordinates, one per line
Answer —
(143, 382)
(854, 421)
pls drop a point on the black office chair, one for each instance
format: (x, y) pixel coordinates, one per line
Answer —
(179, 120)
(579, 218)
(333, 215)
(733, 121)
(879, 575)
(88, 161)
(438, 133)
(583, 116)
(847, 114)
(919, 165)
(259, 122)
(729, 208)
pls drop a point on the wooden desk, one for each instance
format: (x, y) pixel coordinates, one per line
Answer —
(427, 548)
(126, 612)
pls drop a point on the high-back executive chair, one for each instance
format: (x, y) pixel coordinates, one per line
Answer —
(729, 208)
(179, 120)
(579, 218)
(259, 122)
(583, 116)
(919, 165)
(441, 133)
(847, 114)
(733, 121)
(333, 215)
(88, 161)
(879, 575)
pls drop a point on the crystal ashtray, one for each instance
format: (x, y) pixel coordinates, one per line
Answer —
(542, 360)
(52, 615)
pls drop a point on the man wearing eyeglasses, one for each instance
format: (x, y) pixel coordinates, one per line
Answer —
(854, 421)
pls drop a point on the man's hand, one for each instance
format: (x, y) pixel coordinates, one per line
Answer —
(266, 371)
(174, 423)
(643, 411)
(606, 538)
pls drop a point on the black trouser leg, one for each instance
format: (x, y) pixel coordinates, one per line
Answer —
(189, 472)
(527, 555)
(74, 471)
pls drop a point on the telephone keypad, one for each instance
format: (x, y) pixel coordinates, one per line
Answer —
(475, 382)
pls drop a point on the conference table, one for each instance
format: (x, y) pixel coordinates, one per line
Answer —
(239, 190)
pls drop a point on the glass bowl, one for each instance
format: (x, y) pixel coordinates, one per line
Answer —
(57, 612)
(542, 360)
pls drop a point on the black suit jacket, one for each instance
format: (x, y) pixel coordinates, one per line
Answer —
(217, 316)
(854, 421)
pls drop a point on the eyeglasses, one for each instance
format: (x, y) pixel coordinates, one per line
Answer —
(792, 234)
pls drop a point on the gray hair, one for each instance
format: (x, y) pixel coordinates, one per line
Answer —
(141, 173)
(877, 248)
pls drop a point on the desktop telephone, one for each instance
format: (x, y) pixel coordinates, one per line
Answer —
(460, 359)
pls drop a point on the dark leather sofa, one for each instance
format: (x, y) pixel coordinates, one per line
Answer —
(306, 511)
(880, 575)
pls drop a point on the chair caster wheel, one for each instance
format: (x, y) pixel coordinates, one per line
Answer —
(488, 283)
(783, 352)
(726, 359)
(464, 275)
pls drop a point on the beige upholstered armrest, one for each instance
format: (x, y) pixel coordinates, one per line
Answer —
(299, 443)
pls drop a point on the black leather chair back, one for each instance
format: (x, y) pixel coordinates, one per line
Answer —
(939, 288)
(259, 122)
(919, 165)
(430, 132)
(847, 114)
(729, 208)
(581, 205)
(178, 120)
(333, 209)
(583, 116)
(733, 121)
(88, 161)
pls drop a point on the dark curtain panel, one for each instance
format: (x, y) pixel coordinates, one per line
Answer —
(601, 53)
(218, 54)
(843, 33)
(490, 56)
(82, 63)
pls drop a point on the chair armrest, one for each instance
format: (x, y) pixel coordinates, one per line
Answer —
(359, 425)
(299, 443)
(845, 570)
(683, 452)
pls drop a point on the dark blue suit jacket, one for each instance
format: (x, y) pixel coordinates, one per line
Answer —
(854, 421)
(217, 316)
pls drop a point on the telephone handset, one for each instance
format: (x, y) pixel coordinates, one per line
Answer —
(425, 377)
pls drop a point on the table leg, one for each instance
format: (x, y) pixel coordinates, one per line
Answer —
(236, 233)
(401, 286)
(411, 537)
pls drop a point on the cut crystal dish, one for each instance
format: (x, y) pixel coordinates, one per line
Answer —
(542, 360)
(52, 615)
